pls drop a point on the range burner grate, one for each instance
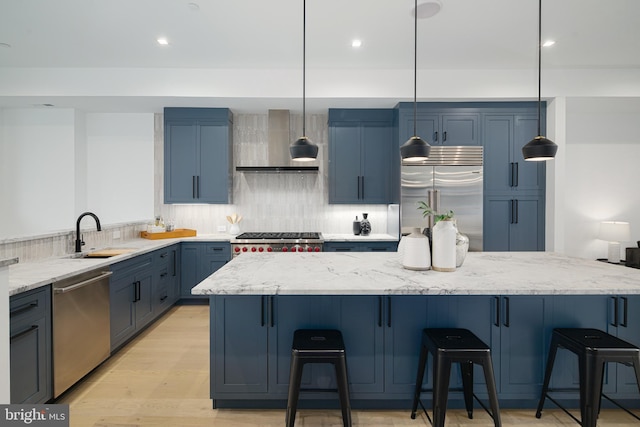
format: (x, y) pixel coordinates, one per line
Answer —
(274, 235)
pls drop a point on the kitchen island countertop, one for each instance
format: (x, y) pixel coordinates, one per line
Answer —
(365, 273)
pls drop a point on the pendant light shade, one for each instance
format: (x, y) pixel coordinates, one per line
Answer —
(415, 149)
(539, 148)
(303, 149)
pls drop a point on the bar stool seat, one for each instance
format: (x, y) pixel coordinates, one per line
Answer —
(454, 345)
(594, 348)
(318, 346)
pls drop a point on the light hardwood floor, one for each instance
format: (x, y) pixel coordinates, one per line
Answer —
(162, 379)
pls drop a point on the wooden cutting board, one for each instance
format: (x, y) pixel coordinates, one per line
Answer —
(109, 252)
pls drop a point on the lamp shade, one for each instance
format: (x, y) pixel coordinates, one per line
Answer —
(539, 149)
(614, 231)
(415, 149)
(303, 150)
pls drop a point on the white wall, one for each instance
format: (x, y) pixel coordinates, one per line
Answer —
(37, 170)
(120, 166)
(602, 163)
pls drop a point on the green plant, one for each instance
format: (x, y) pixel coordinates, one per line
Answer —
(426, 211)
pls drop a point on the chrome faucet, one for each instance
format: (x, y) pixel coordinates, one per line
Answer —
(79, 241)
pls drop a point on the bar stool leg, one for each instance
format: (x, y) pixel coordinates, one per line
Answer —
(493, 393)
(295, 377)
(343, 390)
(547, 374)
(441, 374)
(422, 364)
(592, 379)
(466, 369)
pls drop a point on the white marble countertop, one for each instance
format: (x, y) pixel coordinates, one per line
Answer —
(366, 273)
(32, 275)
(7, 262)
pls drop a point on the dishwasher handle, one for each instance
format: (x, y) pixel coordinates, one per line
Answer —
(104, 275)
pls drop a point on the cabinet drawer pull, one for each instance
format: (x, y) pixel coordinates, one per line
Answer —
(25, 332)
(164, 298)
(435, 136)
(24, 308)
(444, 136)
(164, 255)
(163, 275)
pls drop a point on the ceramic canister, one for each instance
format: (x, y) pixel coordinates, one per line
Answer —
(415, 251)
(443, 242)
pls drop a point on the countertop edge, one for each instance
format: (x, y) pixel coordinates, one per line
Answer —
(7, 262)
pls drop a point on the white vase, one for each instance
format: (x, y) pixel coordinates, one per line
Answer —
(415, 251)
(234, 230)
(443, 242)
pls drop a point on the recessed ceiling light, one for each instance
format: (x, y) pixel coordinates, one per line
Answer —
(162, 41)
(5, 45)
(548, 43)
(427, 9)
(356, 43)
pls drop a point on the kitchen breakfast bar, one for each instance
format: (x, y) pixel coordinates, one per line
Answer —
(510, 300)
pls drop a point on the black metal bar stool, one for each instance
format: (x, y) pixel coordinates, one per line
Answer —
(594, 348)
(453, 345)
(318, 346)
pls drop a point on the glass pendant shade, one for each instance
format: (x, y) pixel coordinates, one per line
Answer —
(539, 149)
(303, 150)
(415, 149)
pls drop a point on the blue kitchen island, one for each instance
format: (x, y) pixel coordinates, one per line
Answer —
(511, 300)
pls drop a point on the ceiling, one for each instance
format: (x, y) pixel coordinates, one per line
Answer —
(254, 34)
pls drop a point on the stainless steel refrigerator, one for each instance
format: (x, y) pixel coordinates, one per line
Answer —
(451, 179)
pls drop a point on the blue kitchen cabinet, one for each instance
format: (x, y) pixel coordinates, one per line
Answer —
(239, 361)
(131, 299)
(513, 223)
(361, 156)
(31, 347)
(625, 318)
(165, 285)
(198, 261)
(405, 316)
(505, 170)
(440, 125)
(374, 246)
(198, 155)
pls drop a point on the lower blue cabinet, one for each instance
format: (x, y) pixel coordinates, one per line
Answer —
(198, 261)
(30, 346)
(373, 246)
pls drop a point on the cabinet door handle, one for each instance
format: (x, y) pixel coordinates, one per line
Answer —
(175, 255)
(614, 300)
(625, 311)
(198, 185)
(516, 203)
(262, 311)
(193, 186)
(164, 254)
(24, 308)
(444, 136)
(511, 174)
(511, 211)
(25, 332)
(497, 307)
(379, 312)
(515, 176)
(389, 312)
(435, 136)
(506, 312)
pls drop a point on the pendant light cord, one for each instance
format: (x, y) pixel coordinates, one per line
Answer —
(539, 60)
(304, 55)
(415, 68)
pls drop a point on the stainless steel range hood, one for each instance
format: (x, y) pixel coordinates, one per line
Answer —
(278, 157)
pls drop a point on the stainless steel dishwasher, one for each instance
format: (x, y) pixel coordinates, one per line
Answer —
(81, 327)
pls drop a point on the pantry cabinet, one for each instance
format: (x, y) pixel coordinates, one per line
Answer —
(198, 155)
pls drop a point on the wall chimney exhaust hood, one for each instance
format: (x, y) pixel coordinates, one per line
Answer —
(278, 157)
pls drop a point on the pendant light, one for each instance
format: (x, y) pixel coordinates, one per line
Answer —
(415, 149)
(539, 148)
(303, 149)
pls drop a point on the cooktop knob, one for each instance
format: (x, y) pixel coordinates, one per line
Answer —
(237, 249)
(253, 249)
(260, 249)
(317, 249)
(284, 249)
(269, 249)
(244, 249)
(309, 249)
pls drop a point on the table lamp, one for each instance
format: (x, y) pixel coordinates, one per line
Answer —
(614, 232)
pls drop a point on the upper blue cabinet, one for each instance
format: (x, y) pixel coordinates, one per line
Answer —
(440, 124)
(362, 152)
(198, 150)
